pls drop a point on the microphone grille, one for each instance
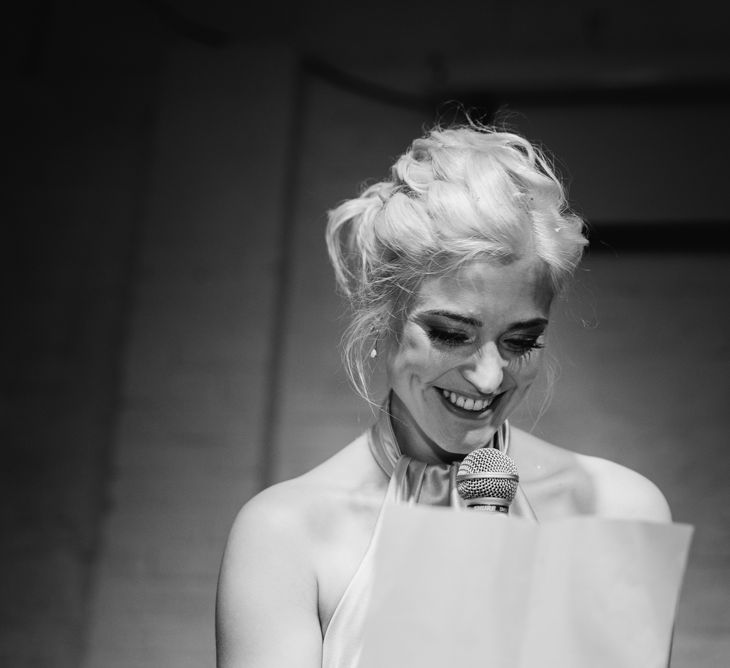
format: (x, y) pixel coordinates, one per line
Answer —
(484, 461)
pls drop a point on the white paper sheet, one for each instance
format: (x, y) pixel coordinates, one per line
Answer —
(477, 589)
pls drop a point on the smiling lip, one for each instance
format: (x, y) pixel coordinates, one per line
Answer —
(465, 406)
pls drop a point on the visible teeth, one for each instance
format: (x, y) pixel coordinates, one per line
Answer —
(467, 403)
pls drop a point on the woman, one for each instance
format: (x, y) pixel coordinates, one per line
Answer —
(451, 267)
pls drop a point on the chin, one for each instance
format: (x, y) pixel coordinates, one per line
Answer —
(470, 441)
(478, 441)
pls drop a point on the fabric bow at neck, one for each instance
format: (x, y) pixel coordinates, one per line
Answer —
(416, 481)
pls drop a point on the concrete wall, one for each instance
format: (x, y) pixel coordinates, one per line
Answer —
(187, 447)
(75, 141)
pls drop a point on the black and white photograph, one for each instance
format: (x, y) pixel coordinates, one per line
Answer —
(366, 335)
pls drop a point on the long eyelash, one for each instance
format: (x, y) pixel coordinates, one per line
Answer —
(524, 357)
(527, 352)
(528, 344)
(446, 337)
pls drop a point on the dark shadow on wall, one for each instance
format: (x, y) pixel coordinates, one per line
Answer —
(81, 97)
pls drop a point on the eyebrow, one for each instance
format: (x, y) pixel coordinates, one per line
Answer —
(474, 322)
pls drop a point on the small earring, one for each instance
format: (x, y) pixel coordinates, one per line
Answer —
(373, 353)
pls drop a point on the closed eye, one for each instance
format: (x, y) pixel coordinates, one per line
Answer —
(523, 344)
(448, 337)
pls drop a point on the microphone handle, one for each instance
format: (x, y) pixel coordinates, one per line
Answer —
(490, 507)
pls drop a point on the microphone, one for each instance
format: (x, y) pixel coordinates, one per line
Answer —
(487, 480)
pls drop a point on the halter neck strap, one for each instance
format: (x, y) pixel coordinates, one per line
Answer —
(417, 481)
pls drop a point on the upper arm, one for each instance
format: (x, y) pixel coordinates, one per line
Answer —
(266, 608)
(624, 494)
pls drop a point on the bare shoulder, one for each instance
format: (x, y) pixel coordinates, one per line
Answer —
(267, 580)
(271, 576)
(281, 523)
(295, 512)
(291, 510)
(623, 493)
(270, 573)
(272, 515)
(564, 482)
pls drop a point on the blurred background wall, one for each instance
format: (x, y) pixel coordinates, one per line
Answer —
(171, 330)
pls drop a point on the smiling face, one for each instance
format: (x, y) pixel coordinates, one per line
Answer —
(468, 352)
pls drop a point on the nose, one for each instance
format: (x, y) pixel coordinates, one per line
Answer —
(485, 370)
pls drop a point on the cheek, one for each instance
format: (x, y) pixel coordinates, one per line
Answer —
(415, 355)
(525, 369)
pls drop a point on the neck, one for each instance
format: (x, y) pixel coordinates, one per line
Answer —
(412, 440)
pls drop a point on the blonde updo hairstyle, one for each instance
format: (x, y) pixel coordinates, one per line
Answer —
(455, 195)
